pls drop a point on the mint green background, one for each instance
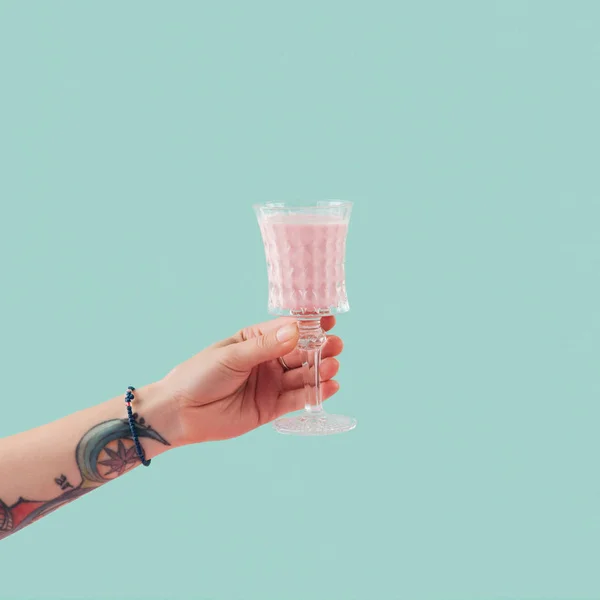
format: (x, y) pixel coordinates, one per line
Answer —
(134, 137)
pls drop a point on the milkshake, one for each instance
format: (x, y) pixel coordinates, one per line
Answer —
(305, 262)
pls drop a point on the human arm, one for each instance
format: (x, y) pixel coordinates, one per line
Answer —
(224, 391)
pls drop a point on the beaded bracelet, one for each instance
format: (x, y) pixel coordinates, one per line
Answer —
(138, 447)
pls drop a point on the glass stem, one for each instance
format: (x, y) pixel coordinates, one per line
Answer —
(311, 341)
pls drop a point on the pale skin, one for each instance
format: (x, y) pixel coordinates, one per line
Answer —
(228, 389)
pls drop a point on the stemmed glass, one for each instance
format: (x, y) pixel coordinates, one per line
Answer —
(305, 246)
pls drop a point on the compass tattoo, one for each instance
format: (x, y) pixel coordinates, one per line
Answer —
(103, 453)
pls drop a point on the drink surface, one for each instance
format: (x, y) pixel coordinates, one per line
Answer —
(305, 261)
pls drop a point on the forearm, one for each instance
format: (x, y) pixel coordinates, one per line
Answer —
(47, 467)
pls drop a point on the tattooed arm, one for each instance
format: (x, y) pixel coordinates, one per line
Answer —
(44, 468)
(224, 391)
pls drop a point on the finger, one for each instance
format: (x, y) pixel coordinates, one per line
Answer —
(245, 355)
(294, 379)
(254, 331)
(333, 347)
(296, 399)
(327, 323)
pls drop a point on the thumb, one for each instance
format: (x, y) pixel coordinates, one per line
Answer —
(250, 353)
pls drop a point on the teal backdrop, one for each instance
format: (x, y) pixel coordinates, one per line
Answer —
(134, 138)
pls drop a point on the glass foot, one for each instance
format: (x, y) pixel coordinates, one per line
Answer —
(311, 424)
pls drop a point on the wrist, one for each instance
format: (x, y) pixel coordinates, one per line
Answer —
(154, 405)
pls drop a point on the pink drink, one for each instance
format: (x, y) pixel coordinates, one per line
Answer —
(305, 261)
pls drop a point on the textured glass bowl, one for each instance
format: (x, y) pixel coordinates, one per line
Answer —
(305, 247)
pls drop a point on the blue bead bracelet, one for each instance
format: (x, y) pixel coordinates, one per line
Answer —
(138, 447)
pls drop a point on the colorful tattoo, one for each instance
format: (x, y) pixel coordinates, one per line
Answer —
(103, 453)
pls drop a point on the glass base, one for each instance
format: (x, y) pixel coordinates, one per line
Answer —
(310, 313)
(314, 424)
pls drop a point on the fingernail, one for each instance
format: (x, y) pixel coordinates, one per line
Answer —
(287, 332)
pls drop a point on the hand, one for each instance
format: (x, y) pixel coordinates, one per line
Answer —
(239, 384)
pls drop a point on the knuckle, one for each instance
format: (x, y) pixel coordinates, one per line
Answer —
(262, 342)
(242, 335)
